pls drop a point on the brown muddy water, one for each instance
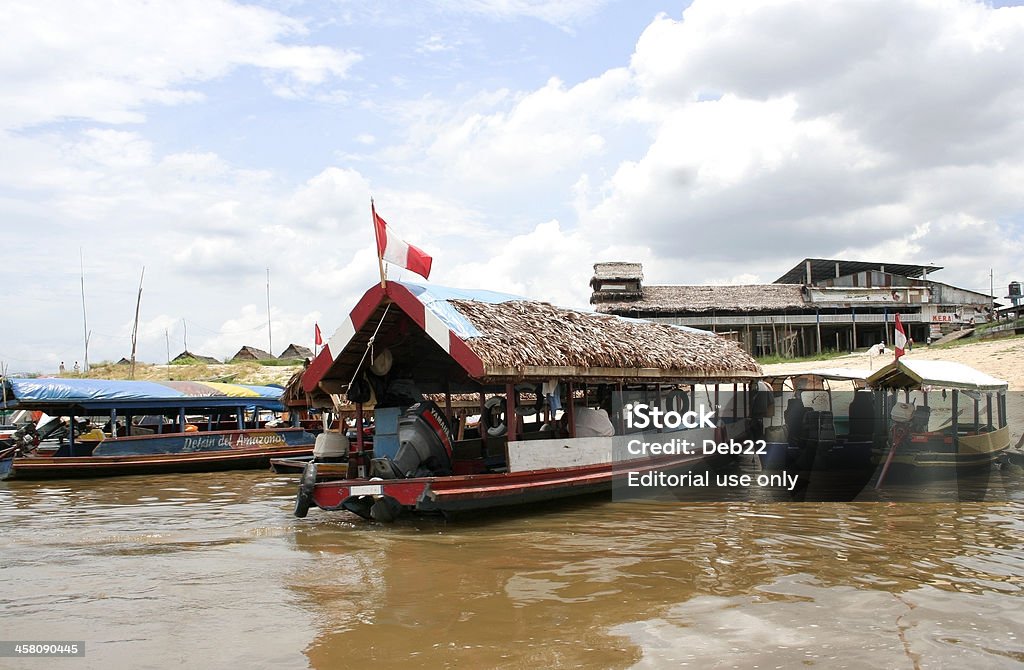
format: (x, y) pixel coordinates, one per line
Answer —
(212, 571)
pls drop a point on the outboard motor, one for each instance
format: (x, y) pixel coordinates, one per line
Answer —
(425, 445)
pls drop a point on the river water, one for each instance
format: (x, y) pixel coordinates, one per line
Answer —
(211, 571)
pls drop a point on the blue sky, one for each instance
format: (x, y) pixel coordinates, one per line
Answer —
(517, 141)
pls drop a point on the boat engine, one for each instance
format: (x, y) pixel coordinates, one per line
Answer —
(26, 438)
(425, 445)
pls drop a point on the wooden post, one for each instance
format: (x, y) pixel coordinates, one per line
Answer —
(510, 412)
(956, 423)
(572, 411)
(853, 320)
(357, 461)
(817, 327)
(481, 427)
(448, 402)
(380, 260)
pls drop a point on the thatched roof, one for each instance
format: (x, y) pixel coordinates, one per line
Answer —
(466, 340)
(252, 354)
(210, 360)
(617, 270)
(296, 351)
(689, 299)
(524, 334)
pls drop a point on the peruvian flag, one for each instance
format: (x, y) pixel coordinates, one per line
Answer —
(900, 338)
(398, 252)
(318, 339)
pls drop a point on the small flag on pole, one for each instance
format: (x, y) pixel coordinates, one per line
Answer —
(318, 339)
(900, 338)
(398, 252)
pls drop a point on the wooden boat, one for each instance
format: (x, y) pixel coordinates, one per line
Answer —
(942, 419)
(6, 461)
(151, 427)
(554, 388)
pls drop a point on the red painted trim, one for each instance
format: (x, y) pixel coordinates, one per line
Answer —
(317, 369)
(359, 315)
(416, 310)
(365, 308)
(465, 357)
(404, 299)
(409, 304)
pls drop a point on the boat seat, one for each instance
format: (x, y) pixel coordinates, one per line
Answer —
(919, 420)
(794, 419)
(862, 417)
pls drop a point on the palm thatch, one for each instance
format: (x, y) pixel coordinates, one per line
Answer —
(699, 299)
(251, 354)
(523, 334)
(617, 270)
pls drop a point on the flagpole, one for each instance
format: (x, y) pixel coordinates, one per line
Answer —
(376, 240)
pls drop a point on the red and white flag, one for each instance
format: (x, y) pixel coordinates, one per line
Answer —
(399, 252)
(318, 339)
(900, 338)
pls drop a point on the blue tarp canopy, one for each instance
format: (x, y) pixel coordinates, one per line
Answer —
(64, 396)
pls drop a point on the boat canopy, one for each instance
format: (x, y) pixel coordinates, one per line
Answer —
(903, 373)
(840, 374)
(463, 340)
(65, 396)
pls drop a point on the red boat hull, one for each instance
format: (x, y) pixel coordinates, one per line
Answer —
(461, 493)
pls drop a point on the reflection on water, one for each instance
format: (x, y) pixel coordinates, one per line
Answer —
(211, 570)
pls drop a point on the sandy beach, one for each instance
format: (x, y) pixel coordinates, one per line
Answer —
(999, 358)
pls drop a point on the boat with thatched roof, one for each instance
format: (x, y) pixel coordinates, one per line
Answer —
(553, 389)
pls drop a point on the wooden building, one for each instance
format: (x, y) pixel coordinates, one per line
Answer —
(818, 304)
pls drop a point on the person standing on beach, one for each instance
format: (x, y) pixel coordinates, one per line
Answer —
(62, 369)
(76, 367)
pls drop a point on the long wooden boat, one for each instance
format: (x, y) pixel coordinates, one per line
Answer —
(555, 390)
(138, 427)
(942, 419)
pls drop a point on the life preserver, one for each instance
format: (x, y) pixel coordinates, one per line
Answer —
(493, 408)
(538, 403)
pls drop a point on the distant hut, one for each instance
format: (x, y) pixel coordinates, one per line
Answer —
(123, 361)
(188, 357)
(251, 354)
(296, 352)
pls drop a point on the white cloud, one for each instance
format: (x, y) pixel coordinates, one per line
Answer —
(63, 61)
(739, 138)
(563, 14)
(535, 136)
(791, 128)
